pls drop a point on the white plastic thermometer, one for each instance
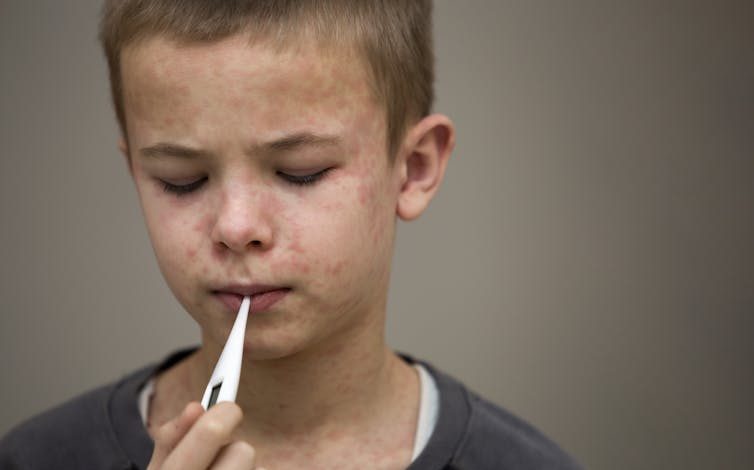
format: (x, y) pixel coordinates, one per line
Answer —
(223, 384)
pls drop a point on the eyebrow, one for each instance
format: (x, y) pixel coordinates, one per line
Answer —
(294, 141)
(164, 149)
(283, 144)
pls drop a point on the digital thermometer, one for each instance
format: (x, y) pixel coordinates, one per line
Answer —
(223, 384)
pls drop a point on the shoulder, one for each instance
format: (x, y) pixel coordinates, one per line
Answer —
(495, 436)
(474, 433)
(80, 433)
(62, 434)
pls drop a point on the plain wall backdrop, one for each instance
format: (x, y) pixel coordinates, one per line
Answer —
(588, 262)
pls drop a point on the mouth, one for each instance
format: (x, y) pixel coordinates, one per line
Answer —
(262, 296)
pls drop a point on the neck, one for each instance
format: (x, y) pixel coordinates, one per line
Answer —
(346, 384)
(349, 397)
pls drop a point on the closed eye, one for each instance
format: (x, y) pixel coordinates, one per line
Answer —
(182, 189)
(303, 180)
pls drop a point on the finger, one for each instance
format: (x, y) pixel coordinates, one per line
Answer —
(206, 437)
(170, 434)
(237, 455)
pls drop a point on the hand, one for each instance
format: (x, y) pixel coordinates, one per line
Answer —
(199, 440)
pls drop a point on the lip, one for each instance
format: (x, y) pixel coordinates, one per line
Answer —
(262, 296)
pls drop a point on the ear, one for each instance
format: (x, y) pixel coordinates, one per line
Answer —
(423, 159)
(123, 147)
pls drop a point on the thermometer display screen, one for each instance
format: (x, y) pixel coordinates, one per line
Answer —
(213, 395)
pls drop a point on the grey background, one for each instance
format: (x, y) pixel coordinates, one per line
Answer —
(589, 262)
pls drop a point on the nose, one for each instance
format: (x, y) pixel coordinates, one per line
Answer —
(243, 220)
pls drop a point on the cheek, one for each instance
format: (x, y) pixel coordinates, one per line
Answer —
(197, 229)
(378, 206)
(175, 236)
(336, 268)
(365, 194)
(354, 231)
(297, 257)
(300, 265)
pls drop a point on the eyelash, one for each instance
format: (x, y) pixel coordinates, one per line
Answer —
(303, 180)
(182, 189)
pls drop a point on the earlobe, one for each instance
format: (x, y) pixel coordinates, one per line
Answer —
(424, 157)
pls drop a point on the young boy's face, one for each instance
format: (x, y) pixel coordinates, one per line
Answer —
(279, 160)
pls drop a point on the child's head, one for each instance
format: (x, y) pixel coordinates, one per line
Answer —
(392, 38)
(261, 164)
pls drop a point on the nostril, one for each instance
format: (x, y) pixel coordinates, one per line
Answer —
(256, 243)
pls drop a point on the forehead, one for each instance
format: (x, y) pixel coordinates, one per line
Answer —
(233, 81)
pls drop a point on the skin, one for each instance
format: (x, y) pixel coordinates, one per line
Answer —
(319, 387)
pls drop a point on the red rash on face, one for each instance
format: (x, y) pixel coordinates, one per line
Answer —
(330, 241)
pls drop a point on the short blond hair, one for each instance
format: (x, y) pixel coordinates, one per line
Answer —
(393, 38)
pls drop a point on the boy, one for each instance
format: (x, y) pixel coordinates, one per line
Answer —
(272, 144)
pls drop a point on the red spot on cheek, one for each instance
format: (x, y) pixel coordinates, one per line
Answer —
(303, 268)
(201, 224)
(296, 248)
(363, 194)
(336, 269)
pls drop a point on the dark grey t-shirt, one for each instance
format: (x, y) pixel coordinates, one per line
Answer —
(102, 429)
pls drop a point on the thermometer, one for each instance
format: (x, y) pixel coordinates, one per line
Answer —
(223, 384)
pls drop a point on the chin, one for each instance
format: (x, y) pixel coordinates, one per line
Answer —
(271, 345)
(268, 352)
